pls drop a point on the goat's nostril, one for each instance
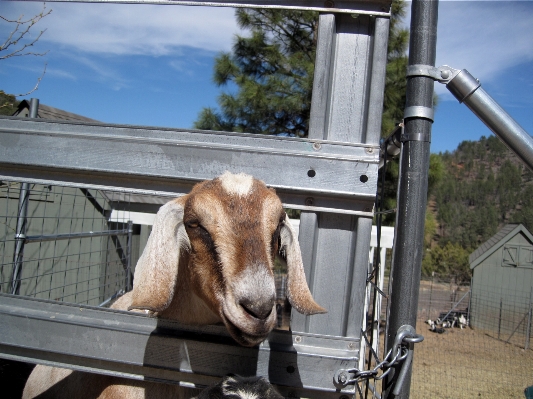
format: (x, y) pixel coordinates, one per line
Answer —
(259, 310)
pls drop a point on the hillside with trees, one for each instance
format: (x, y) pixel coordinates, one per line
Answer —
(483, 187)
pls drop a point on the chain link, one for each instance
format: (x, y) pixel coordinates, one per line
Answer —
(395, 356)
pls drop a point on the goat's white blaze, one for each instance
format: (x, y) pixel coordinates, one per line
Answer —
(239, 184)
(227, 390)
(246, 395)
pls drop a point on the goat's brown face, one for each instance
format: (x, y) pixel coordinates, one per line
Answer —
(231, 229)
(233, 226)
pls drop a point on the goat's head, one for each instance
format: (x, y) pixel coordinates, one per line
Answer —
(237, 387)
(226, 233)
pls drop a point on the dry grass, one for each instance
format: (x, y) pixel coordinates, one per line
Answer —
(469, 364)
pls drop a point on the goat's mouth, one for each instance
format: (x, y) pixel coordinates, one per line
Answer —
(242, 337)
(246, 329)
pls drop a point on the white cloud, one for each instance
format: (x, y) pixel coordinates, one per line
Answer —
(60, 73)
(486, 38)
(133, 29)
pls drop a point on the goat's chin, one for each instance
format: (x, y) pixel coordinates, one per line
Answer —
(246, 329)
(243, 338)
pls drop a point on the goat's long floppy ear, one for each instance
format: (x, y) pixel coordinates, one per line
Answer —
(298, 292)
(157, 269)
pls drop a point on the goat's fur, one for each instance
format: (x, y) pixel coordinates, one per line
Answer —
(209, 259)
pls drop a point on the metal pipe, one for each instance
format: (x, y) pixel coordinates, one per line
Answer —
(467, 89)
(68, 236)
(20, 237)
(129, 280)
(528, 326)
(20, 232)
(34, 108)
(500, 319)
(413, 183)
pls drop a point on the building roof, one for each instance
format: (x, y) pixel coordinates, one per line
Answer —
(496, 241)
(47, 112)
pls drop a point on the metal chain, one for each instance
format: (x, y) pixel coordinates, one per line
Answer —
(403, 342)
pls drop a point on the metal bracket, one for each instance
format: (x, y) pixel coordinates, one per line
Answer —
(442, 74)
(415, 137)
(418, 111)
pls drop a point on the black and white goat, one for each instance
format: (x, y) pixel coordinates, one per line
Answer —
(236, 387)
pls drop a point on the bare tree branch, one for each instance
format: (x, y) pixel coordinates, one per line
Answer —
(22, 28)
(36, 85)
(17, 43)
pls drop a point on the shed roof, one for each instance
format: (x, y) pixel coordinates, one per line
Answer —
(47, 112)
(496, 241)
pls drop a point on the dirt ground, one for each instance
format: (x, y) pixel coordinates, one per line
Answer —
(469, 364)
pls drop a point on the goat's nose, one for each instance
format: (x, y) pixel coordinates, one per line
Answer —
(259, 309)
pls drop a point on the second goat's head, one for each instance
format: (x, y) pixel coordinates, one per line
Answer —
(210, 258)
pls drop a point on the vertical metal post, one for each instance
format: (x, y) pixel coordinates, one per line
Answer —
(20, 233)
(347, 102)
(413, 184)
(20, 237)
(129, 282)
(500, 319)
(528, 326)
(430, 295)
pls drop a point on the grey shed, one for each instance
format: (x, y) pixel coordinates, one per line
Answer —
(502, 282)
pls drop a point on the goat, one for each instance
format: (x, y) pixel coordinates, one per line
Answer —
(209, 259)
(439, 330)
(462, 321)
(237, 387)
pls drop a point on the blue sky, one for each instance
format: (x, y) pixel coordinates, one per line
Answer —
(152, 65)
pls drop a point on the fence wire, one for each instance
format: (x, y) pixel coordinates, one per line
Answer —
(490, 358)
(60, 243)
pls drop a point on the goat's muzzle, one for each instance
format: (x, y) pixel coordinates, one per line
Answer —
(249, 307)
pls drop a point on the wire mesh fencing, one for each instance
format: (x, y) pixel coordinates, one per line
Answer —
(64, 243)
(489, 358)
(81, 245)
(476, 344)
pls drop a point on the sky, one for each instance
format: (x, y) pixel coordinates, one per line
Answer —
(152, 65)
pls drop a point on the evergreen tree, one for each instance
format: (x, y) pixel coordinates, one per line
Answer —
(8, 103)
(272, 70)
(395, 82)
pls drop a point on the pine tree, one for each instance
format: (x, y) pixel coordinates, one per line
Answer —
(395, 82)
(272, 71)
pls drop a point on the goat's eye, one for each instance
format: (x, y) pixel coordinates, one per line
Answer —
(193, 225)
